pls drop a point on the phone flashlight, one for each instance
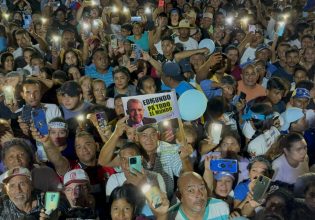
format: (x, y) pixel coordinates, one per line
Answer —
(229, 20)
(286, 16)
(244, 20)
(147, 10)
(166, 123)
(145, 188)
(44, 20)
(95, 23)
(125, 9)
(6, 16)
(56, 38)
(85, 26)
(114, 9)
(80, 118)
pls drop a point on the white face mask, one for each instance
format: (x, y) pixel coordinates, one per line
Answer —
(248, 130)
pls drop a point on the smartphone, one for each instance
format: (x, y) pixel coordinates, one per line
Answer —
(251, 28)
(39, 119)
(218, 49)
(101, 119)
(8, 94)
(35, 70)
(153, 195)
(26, 114)
(27, 21)
(56, 44)
(137, 51)
(242, 96)
(161, 3)
(136, 19)
(113, 41)
(280, 29)
(261, 187)
(51, 202)
(135, 163)
(224, 165)
(216, 130)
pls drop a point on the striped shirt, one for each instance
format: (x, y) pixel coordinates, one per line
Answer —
(168, 164)
(216, 209)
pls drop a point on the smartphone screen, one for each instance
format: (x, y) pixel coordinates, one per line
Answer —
(51, 202)
(113, 41)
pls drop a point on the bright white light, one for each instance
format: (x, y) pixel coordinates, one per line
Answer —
(145, 188)
(56, 38)
(125, 9)
(80, 118)
(114, 9)
(229, 20)
(166, 123)
(44, 20)
(147, 10)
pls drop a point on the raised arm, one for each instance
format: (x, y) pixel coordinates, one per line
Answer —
(203, 72)
(60, 162)
(107, 151)
(188, 53)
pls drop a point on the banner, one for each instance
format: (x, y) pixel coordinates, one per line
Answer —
(148, 109)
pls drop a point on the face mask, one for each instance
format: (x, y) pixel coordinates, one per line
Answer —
(248, 130)
(3, 44)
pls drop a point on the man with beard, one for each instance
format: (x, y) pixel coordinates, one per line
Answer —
(19, 201)
(195, 203)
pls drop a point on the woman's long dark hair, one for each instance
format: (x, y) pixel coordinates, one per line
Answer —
(131, 194)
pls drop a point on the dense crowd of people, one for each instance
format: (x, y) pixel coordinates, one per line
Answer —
(71, 149)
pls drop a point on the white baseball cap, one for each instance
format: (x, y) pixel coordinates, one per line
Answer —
(75, 176)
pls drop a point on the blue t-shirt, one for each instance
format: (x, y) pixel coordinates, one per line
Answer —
(143, 42)
(241, 190)
(106, 77)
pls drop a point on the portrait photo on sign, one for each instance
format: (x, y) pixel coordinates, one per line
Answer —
(148, 109)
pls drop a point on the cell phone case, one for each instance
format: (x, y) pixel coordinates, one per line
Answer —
(39, 119)
(135, 164)
(280, 29)
(51, 202)
(224, 165)
(101, 119)
(261, 187)
(26, 115)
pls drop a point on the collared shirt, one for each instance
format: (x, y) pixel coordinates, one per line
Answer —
(9, 211)
(216, 209)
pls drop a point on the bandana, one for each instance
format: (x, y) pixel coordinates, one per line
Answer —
(58, 124)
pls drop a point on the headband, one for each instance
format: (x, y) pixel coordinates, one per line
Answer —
(58, 124)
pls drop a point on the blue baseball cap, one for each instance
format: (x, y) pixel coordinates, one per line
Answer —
(291, 115)
(252, 115)
(301, 93)
(220, 175)
(172, 70)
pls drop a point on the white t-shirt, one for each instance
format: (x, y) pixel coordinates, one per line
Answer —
(118, 179)
(285, 173)
(190, 44)
(261, 144)
(249, 54)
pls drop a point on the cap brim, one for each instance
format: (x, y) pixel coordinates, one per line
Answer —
(10, 177)
(144, 127)
(76, 181)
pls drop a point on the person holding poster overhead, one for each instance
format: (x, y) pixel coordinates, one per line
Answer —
(135, 111)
